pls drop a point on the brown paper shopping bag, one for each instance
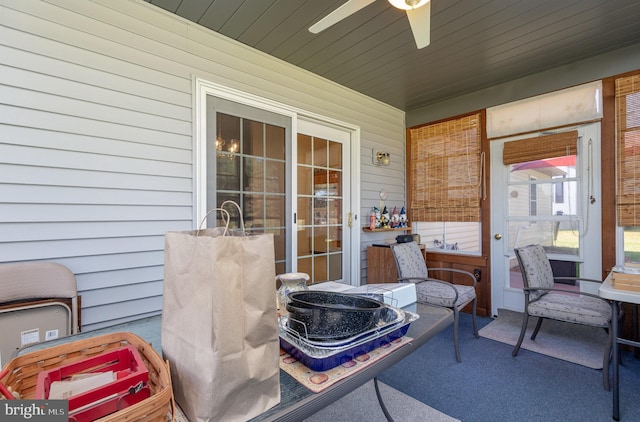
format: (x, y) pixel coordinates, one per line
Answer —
(219, 323)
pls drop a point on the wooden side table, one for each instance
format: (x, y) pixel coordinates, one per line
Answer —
(381, 265)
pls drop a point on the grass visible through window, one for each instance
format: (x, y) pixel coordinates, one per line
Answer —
(569, 239)
(632, 245)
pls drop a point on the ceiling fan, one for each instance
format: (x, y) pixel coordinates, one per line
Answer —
(418, 12)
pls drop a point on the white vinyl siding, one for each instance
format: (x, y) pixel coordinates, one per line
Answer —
(96, 134)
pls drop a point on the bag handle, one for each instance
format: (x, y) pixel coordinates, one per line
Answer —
(239, 213)
(226, 220)
(224, 213)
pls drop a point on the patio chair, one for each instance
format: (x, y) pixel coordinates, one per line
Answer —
(544, 301)
(412, 268)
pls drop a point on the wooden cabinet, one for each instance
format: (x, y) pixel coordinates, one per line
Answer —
(381, 266)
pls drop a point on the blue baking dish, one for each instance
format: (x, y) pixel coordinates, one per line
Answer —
(324, 358)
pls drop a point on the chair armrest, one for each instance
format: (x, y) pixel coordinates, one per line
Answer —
(411, 279)
(577, 279)
(454, 270)
(432, 280)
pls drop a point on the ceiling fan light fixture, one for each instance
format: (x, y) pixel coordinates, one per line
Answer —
(408, 4)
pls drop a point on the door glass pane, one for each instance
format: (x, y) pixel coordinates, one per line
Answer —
(253, 174)
(335, 155)
(305, 180)
(253, 137)
(304, 149)
(275, 210)
(275, 176)
(250, 169)
(542, 209)
(320, 152)
(305, 209)
(305, 239)
(275, 139)
(227, 172)
(560, 237)
(320, 203)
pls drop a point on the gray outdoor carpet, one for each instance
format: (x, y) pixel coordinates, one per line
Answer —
(571, 342)
(362, 405)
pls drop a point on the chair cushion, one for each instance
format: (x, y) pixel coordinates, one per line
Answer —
(440, 294)
(574, 308)
(536, 268)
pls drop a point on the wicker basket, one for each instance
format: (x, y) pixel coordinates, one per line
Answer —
(21, 374)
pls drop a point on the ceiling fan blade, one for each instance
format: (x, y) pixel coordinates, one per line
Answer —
(346, 10)
(420, 21)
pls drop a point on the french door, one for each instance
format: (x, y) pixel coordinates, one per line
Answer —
(289, 174)
(553, 201)
(323, 192)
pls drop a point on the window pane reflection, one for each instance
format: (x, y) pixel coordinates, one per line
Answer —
(275, 141)
(253, 174)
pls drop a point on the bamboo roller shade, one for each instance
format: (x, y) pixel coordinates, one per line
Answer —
(628, 150)
(540, 147)
(445, 168)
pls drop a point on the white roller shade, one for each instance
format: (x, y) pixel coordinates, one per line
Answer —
(581, 103)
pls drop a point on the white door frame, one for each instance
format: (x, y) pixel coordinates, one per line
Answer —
(590, 262)
(323, 130)
(202, 88)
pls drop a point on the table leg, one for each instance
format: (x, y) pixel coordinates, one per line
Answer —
(636, 350)
(614, 351)
(382, 406)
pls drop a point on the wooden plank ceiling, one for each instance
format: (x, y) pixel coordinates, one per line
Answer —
(475, 44)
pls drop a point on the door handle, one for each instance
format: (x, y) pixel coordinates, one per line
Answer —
(498, 236)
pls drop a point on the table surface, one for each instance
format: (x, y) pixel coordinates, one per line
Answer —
(607, 291)
(297, 402)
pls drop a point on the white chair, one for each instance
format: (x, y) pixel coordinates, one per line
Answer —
(412, 268)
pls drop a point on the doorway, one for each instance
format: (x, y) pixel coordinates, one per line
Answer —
(322, 196)
(549, 198)
(291, 175)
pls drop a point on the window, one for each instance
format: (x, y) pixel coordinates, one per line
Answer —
(628, 165)
(446, 175)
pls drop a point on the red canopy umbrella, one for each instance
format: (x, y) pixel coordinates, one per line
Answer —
(566, 161)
